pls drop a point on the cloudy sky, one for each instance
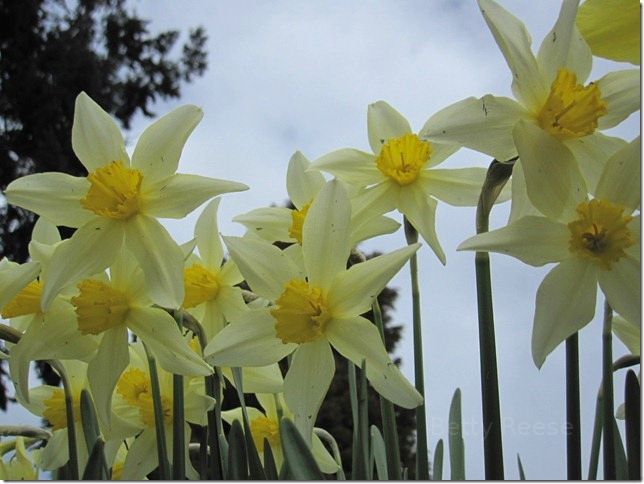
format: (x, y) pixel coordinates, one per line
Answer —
(286, 76)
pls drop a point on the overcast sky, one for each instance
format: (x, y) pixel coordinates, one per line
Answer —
(286, 76)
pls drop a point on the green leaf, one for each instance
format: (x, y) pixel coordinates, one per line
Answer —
(437, 471)
(223, 449)
(456, 444)
(237, 463)
(621, 467)
(96, 468)
(88, 419)
(521, 473)
(269, 462)
(633, 421)
(596, 439)
(297, 455)
(379, 453)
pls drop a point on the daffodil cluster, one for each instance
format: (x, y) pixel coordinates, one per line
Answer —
(146, 333)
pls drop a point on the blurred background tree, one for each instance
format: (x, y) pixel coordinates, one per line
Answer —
(50, 50)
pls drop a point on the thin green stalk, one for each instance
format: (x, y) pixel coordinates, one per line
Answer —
(422, 455)
(387, 413)
(496, 178)
(597, 437)
(573, 410)
(178, 422)
(632, 399)
(358, 471)
(71, 426)
(610, 471)
(164, 465)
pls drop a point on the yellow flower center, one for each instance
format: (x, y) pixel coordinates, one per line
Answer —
(265, 428)
(55, 411)
(99, 307)
(200, 285)
(601, 232)
(571, 110)
(297, 222)
(134, 387)
(115, 191)
(402, 158)
(301, 313)
(27, 301)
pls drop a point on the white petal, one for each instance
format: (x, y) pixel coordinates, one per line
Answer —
(420, 210)
(307, 382)
(357, 339)
(302, 185)
(460, 187)
(266, 268)
(105, 369)
(45, 232)
(159, 331)
(565, 304)
(96, 139)
(483, 125)
(440, 152)
(564, 47)
(377, 200)
(621, 91)
(620, 180)
(533, 240)
(354, 290)
(553, 180)
(622, 287)
(629, 333)
(160, 258)
(91, 249)
(264, 379)
(325, 235)
(591, 153)
(14, 278)
(515, 43)
(364, 228)
(179, 194)
(250, 341)
(142, 457)
(521, 205)
(55, 196)
(159, 148)
(207, 235)
(384, 123)
(351, 166)
(270, 223)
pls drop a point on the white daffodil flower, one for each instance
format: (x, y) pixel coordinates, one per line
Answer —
(118, 202)
(593, 241)
(551, 98)
(401, 174)
(314, 310)
(285, 224)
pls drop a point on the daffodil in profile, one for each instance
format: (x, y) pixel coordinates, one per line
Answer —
(280, 224)
(313, 309)
(401, 174)
(593, 241)
(265, 425)
(553, 101)
(118, 203)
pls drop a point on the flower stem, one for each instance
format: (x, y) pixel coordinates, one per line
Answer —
(164, 465)
(496, 178)
(597, 437)
(387, 413)
(178, 422)
(573, 410)
(610, 472)
(71, 426)
(422, 455)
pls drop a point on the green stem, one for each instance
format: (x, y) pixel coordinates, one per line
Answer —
(422, 455)
(497, 176)
(164, 465)
(387, 413)
(178, 422)
(71, 425)
(597, 437)
(610, 472)
(573, 410)
(633, 426)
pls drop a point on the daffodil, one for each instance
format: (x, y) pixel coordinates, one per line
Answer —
(594, 241)
(133, 403)
(20, 466)
(611, 28)
(109, 307)
(118, 202)
(51, 334)
(553, 102)
(265, 425)
(401, 173)
(313, 309)
(285, 224)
